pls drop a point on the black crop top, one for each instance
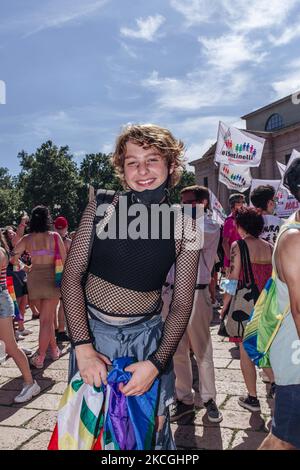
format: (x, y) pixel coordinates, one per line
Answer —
(133, 264)
(125, 278)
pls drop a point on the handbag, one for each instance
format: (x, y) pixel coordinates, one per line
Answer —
(244, 300)
(57, 262)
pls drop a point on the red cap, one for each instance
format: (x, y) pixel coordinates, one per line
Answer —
(60, 223)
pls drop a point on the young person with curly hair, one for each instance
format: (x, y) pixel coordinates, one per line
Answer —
(117, 312)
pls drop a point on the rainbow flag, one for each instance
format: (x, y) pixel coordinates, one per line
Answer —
(57, 263)
(11, 291)
(91, 418)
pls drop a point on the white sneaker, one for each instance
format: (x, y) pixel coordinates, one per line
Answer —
(28, 391)
(18, 335)
(25, 332)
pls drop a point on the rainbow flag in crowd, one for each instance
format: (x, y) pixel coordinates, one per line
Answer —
(58, 263)
(58, 272)
(11, 291)
(103, 418)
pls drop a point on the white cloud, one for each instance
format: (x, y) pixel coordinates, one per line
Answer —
(204, 88)
(195, 11)
(290, 81)
(288, 85)
(53, 14)
(257, 14)
(229, 51)
(239, 15)
(147, 28)
(289, 34)
(203, 125)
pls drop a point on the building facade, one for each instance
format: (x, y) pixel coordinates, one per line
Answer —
(279, 124)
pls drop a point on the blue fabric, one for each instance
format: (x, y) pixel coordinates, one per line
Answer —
(130, 420)
(141, 409)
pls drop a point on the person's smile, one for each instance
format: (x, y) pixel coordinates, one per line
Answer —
(146, 183)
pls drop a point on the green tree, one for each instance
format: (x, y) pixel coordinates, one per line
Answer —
(96, 170)
(9, 198)
(187, 179)
(50, 177)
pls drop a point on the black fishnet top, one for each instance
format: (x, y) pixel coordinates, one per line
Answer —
(120, 297)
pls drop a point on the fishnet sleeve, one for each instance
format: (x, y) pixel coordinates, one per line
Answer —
(72, 291)
(186, 268)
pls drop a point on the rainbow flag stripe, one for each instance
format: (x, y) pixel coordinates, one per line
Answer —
(11, 291)
(91, 418)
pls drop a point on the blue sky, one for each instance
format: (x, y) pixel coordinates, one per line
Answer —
(76, 71)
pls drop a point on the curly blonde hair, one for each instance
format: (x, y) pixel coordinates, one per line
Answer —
(150, 135)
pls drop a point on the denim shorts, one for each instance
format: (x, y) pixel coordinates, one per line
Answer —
(286, 419)
(6, 305)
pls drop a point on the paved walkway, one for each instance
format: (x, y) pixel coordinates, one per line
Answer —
(29, 426)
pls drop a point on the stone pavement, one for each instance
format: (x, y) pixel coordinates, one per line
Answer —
(29, 426)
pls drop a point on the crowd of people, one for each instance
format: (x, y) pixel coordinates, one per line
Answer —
(153, 298)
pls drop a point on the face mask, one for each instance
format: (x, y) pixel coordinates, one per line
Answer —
(151, 196)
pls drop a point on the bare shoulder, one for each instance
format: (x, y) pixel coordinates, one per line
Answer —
(289, 240)
(289, 247)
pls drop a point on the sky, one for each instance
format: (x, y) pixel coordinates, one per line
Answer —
(76, 71)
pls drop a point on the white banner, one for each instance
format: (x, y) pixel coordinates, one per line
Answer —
(235, 177)
(281, 168)
(286, 203)
(238, 147)
(218, 213)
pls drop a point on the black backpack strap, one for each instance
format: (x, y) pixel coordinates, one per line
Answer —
(246, 264)
(103, 196)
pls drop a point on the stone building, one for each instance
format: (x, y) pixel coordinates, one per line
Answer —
(279, 124)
